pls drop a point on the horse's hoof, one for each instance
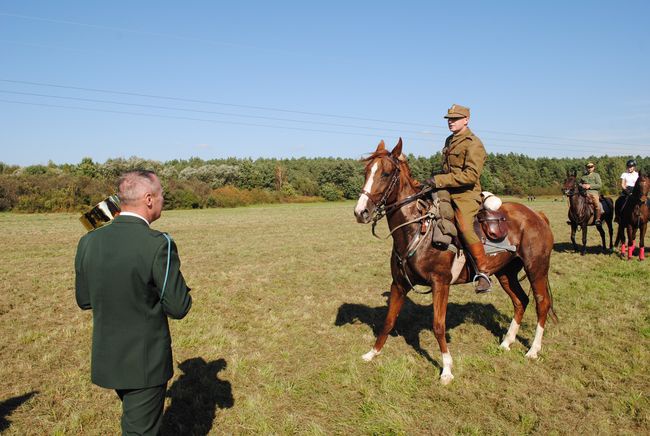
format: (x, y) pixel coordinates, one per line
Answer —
(531, 354)
(504, 346)
(370, 355)
(445, 379)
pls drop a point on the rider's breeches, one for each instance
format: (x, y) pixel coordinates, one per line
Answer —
(466, 210)
(595, 199)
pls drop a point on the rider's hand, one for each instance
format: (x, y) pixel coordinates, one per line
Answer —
(586, 185)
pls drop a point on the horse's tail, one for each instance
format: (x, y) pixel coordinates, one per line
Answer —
(544, 217)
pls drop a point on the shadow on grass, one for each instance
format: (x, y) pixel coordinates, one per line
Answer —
(415, 318)
(567, 247)
(8, 406)
(196, 395)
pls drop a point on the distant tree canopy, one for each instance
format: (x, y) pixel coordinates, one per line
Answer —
(198, 183)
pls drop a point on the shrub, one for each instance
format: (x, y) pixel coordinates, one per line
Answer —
(330, 192)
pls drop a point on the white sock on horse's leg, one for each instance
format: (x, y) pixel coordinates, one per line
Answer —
(446, 377)
(370, 355)
(510, 336)
(537, 343)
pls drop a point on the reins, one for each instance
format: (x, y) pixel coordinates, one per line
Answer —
(382, 210)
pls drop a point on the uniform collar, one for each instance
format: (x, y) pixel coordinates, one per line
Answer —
(467, 132)
(133, 214)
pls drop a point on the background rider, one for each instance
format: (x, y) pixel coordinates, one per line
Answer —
(592, 183)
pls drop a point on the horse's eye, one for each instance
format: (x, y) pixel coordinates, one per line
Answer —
(385, 174)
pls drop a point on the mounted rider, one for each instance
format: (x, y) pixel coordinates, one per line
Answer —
(592, 183)
(629, 177)
(628, 180)
(463, 160)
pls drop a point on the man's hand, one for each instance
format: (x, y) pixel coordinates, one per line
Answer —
(586, 185)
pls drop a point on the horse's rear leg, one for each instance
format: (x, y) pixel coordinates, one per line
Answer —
(509, 282)
(620, 238)
(631, 236)
(440, 292)
(610, 228)
(642, 231)
(395, 302)
(602, 237)
(542, 305)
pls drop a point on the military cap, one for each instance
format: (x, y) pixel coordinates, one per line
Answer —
(590, 164)
(457, 111)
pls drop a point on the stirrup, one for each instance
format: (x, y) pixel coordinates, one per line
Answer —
(478, 277)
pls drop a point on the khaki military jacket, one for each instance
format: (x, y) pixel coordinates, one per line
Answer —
(121, 271)
(463, 160)
(594, 181)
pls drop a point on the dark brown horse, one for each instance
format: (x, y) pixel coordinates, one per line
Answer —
(388, 189)
(634, 215)
(581, 213)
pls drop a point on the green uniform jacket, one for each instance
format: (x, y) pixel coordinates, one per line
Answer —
(463, 160)
(120, 271)
(594, 181)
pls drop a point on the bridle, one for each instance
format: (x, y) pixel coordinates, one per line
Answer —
(381, 208)
(575, 189)
(381, 204)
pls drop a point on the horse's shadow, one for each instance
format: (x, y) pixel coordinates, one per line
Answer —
(11, 404)
(415, 318)
(196, 395)
(567, 247)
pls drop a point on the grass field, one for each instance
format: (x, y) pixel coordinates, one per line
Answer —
(286, 300)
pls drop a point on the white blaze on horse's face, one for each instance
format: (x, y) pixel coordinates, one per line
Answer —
(365, 207)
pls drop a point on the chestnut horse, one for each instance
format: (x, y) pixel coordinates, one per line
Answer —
(581, 213)
(388, 189)
(634, 215)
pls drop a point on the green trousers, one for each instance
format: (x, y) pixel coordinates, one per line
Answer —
(142, 410)
(466, 210)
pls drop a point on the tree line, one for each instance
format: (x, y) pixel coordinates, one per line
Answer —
(198, 183)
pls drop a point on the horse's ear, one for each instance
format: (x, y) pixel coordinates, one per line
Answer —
(397, 151)
(381, 146)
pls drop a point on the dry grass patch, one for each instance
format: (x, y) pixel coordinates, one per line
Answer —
(288, 297)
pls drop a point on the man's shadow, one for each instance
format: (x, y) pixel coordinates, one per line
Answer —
(8, 406)
(196, 395)
(415, 318)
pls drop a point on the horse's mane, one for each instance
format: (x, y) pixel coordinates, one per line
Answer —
(636, 191)
(404, 166)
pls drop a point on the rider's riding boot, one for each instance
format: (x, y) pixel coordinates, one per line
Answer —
(482, 280)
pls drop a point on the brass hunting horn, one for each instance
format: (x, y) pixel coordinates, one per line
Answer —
(102, 213)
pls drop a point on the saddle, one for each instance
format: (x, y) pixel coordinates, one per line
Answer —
(492, 223)
(492, 229)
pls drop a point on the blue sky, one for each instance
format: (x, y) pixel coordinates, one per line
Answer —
(216, 79)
